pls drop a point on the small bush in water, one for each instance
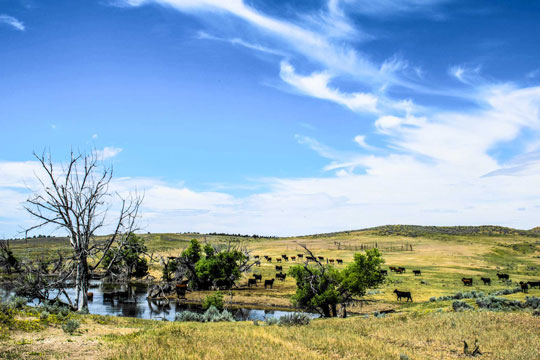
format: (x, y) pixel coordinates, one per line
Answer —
(294, 319)
(215, 299)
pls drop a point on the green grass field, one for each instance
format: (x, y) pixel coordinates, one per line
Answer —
(419, 330)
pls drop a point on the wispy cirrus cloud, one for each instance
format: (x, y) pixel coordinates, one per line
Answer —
(316, 85)
(12, 22)
(107, 152)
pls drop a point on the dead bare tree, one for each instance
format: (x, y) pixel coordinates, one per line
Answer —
(75, 197)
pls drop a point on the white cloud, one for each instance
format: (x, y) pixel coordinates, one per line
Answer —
(316, 85)
(11, 21)
(108, 152)
(94, 136)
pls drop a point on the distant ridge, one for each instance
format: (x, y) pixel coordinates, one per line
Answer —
(419, 230)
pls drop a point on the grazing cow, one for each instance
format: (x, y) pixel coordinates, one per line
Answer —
(281, 276)
(399, 271)
(384, 272)
(487, 281)
(279, 268)
(417, 272)
(286, 258)
(393, 268)
(339, 261)
(90, 296)
(266, 257)
(269, 259)
(310, 258)
(284, 255)
(257, 277)
(300, 255)
(321, 258)
(269, 283)
(293, 258)
(403, 294)
(331, 261)
(278, 260)
(503, 276)
(256, 256)
(467, 281)
(258, 263)
(181, 290)
(402, 269)
(533, 284)
(524, 287)
(252, 282)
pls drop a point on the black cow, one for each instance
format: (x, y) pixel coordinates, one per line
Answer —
(181, 290)
(399, 271)
(503, 276)
(269, 259)
(257, 277)
(300, 255)
(252, 282)
(281, 276)
(487, 281)
(403, 294)
(339, 261)
(467, 281)
(278, 260)
(417, 272)
(384, 272)
(279, 268)
(402, 269)
(331, 261)
(256, 256)
(524, 287)
(269, 283)
(108, 296)
(533, 284)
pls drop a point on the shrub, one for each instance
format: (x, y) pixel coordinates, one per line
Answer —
(432, 299)
(44, 315)
(71, 326)
(215, 299)
(188, 316)
(294, 319)
(497, 303)
(532, 302)
(211, 315)
(461, 306)
(17, 302)
(271, 321)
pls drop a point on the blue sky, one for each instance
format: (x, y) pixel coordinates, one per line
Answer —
(280, 117)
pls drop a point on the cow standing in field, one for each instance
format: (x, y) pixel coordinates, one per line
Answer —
(269, 259)
(293, 258)
(331, 261)
(399, 271)
(257, 277)
(252, 282)
(503, 276)
(524, 287)
(279, 268)
(269, 283)
(403, 294)
(487, 281)
(339, 261)
(278, 260)
(417, 272)
(300, 255)
(467, 281)
(281, 276)
(533, 284)
(384, 272)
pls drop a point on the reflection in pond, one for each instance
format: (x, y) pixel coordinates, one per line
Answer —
(131, 301)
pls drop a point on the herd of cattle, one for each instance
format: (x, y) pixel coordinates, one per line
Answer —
(268, 283)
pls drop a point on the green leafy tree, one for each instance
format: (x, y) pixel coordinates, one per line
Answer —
(129, 260)
(322, 287)
(209, 267)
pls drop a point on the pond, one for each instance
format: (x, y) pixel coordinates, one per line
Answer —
(138, 306)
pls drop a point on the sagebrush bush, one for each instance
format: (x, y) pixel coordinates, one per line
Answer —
(271, 321)
(294, 319)
(461, 306)
(188, 316)
(210, 315)
(44, 315)
(71, 326)
(496, 303)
